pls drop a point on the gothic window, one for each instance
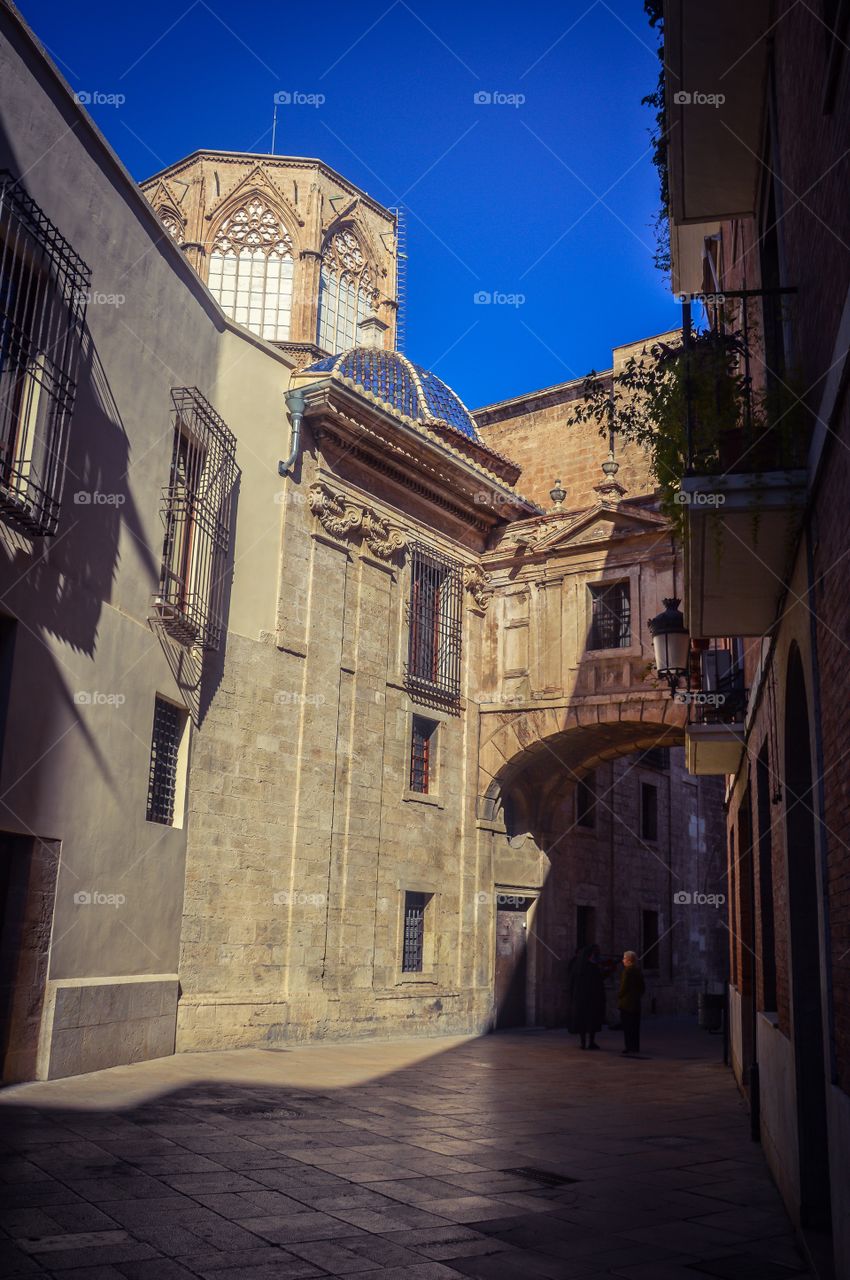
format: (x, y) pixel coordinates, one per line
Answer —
(43, 293)
(251, 269)
(346, 292)
(172, 224)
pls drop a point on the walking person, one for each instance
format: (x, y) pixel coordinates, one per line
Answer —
(632, 987)
(586, 996)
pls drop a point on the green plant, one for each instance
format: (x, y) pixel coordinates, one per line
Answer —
(657, 395)
(654, 10)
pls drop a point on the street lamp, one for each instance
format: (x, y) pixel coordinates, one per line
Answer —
(671, 643)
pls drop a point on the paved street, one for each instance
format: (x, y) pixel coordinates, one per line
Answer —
(511, 1156)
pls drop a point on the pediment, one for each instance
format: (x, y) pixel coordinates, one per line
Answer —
(258, 181)
(603, 523)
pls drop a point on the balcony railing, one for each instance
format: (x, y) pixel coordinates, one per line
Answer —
(717, 707)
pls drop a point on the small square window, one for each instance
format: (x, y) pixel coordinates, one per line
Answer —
(423, 743)
(610, 620)
(648, 811)
(413, 942)
(586, 801)
(649, 940)
(169, 724)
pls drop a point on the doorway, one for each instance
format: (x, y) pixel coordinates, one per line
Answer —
(806, 987)
(511, 978)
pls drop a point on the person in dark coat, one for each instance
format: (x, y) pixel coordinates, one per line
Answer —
(632, 987)
(586, 991)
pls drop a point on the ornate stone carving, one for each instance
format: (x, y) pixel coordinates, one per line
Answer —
(172, 224)
(477, 584)
(343, 519)
(253, 226)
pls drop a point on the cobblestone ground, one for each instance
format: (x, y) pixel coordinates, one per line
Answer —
(515, 1155)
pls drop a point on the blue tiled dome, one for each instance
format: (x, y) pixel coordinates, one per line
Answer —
(408, 387)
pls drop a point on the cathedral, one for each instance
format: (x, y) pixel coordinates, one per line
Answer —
(328, 701)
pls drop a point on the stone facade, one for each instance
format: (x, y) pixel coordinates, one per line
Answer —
(274, 865)
(313, 214)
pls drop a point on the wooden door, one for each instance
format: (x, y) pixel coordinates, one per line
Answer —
(511, 965)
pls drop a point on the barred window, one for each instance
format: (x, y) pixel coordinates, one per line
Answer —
(414, 932)
(610, 626)
(43, 291)
(436, 622)
(196, 513)
(169, 723)
(422, 743)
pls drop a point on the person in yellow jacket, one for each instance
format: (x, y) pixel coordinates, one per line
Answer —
(632, 987)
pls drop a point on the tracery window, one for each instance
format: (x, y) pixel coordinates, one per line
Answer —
(251, 269)
(346, 292)
(172, 224)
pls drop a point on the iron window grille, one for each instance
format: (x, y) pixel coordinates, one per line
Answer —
(435, 614)
(414, 932)
(196, 511)
(422, 741)
(44, 287)
(168, 722)
(610, 626)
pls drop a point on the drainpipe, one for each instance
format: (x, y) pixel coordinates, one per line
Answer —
(295, 405)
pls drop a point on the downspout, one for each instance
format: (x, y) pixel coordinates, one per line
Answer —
(295, 404)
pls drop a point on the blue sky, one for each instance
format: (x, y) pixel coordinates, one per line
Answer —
(550, 200)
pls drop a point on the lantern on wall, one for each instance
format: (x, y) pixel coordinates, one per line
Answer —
(671, 643)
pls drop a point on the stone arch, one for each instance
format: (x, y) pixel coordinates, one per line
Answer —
(576, 739)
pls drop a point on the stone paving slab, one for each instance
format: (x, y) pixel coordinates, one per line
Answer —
(506, 1156)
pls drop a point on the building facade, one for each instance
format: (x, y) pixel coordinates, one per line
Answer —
(759, 237)
(315, 721)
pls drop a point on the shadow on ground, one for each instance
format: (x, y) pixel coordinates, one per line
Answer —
(514, 1155)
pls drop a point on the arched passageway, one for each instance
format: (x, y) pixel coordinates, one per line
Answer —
(605, 815)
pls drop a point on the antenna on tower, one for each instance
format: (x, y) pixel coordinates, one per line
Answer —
(401, 276)
(274, 129)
